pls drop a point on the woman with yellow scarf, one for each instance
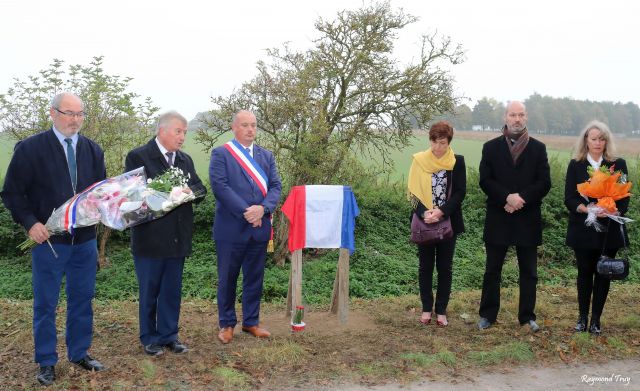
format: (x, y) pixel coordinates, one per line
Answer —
(437, 185)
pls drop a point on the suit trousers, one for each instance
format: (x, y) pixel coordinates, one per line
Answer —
(440, 254)
(590, 282)
(232, 256)
(527, 265)
(78, 262)
(160, 296)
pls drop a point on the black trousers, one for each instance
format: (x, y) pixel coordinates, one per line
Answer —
(440, 254)
(528, 265)
(589, 282)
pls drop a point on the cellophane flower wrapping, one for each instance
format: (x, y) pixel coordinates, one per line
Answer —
(607, 186)
(119, 202)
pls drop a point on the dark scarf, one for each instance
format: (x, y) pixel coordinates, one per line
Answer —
(520, 143)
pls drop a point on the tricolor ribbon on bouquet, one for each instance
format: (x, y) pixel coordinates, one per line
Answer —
(70, 213)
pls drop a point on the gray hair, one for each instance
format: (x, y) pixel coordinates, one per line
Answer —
(167, 117)
(581, 146)
(56, 100)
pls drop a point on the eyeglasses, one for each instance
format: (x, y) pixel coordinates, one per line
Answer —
(71, 114)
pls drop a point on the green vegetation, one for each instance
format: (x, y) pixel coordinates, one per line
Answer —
(384, 264)
(443, 357)
(514, 351)
(230, 378)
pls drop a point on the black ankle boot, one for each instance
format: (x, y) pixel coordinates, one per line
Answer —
(594, 328)
(581, 324)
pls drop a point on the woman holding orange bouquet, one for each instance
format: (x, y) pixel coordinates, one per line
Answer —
(594, 151)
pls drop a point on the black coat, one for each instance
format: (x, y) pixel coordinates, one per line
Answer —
(169, 236)
(453, 207)
(38, 180)
(499, 177)
(579, 235)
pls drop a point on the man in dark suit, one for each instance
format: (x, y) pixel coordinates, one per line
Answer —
(159, 247)
(247, 187)
(514, 174)
(45, 171)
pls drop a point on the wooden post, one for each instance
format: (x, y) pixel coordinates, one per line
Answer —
(294, 294)
(340, 297)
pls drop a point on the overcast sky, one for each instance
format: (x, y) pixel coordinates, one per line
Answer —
(180, 53)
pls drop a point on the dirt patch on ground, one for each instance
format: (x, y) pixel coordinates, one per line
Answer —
(382, 344)
(612, 375)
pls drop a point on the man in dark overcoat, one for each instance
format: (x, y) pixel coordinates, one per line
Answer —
(160, 246)
(514, 174)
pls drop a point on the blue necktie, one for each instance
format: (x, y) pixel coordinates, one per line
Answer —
(71, 161)
(248, 151)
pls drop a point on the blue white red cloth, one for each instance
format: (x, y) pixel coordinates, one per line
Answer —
(321, 216)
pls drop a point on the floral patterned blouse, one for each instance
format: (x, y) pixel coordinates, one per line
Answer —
(439, 187)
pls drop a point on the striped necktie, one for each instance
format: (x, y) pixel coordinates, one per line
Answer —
(169, 158)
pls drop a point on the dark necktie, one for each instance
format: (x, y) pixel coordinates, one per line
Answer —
(169, 158)
(248, 151)
(71, 161)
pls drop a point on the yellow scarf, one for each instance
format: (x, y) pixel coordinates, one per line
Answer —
(423, 166)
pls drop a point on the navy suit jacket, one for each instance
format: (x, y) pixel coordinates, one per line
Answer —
(38, 180)
(235, 191)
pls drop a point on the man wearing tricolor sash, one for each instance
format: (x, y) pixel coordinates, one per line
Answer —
(45, 171)
(246, 184)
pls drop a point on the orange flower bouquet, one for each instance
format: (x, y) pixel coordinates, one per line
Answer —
(607, 186)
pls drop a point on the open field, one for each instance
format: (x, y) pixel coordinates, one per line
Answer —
(465, 143)
(382, 343)
(626, 147)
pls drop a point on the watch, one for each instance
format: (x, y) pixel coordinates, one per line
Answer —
(266, 210)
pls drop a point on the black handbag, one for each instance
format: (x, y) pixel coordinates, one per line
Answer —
(613, 268)
(426, 234)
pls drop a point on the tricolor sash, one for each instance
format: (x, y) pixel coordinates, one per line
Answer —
(70, 211)
(248, 164)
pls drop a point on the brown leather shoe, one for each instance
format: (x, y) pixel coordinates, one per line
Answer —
(225, 335)
(257, 331)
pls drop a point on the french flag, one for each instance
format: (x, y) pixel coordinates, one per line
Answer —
(321, 216)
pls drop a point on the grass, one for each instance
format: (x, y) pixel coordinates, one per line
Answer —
(443, 357)
(382, 342)
(231, 379)
(510, 352)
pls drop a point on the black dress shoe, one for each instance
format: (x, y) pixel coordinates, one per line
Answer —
(90, 364)
(595, 328)
(484, 323)
(153, 349)
(46, 375)
(177, 347)
(581, 324)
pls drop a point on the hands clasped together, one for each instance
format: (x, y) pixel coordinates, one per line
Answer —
(253, 215)
(514, 203)
(433, 215)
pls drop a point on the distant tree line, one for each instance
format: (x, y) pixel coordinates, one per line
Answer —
(550, 115)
